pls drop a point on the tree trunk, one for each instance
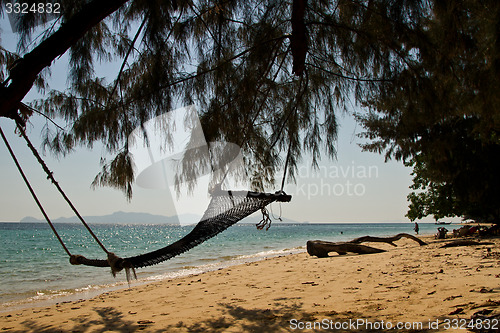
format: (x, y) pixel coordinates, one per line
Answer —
(25, 71)
(298, 40)
(322, 248)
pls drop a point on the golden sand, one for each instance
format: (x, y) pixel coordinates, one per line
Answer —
(420, 288)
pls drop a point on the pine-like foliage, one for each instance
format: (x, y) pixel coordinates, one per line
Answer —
(270, 76)
(441, 112)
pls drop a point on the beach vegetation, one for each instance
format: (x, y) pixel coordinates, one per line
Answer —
(270, 76)
(440, 113)
(273, 77)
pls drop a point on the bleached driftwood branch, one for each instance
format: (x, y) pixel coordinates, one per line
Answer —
(321, 249)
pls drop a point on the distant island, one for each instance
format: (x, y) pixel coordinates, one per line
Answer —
(141, 218)
(116, 217)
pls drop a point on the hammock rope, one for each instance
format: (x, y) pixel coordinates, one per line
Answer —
(33, 194)
(50, 176)
(286, 165)
(225, 209)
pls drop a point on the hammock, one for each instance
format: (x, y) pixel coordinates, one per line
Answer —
(225, 209)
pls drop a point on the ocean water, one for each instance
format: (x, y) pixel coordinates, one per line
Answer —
(34, 267)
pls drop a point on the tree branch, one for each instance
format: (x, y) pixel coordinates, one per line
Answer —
(349, 77)
(25, 71)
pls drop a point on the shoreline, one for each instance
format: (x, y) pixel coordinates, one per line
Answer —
(82, 283)
(405, 284)
(120, 282)
(86, 292)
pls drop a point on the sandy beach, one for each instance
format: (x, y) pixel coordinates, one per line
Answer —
(410, 288)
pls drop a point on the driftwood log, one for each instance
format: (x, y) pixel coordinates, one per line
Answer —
(465, 242)
(321, 249)
(388, 240)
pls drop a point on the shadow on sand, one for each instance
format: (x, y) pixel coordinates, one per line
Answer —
(234, 318)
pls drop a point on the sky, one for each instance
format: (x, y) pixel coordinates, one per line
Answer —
(356, 187)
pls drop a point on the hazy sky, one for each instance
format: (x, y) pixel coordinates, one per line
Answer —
(357, 187)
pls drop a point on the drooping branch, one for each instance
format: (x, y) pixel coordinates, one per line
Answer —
(217, 67)
(351, 78)
(25, 71)
(125, 59)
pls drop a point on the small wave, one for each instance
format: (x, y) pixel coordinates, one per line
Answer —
(272, 253)
(223, 262)
(206, 259)
(51, 296)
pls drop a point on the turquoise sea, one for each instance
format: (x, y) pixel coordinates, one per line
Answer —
(34, 267)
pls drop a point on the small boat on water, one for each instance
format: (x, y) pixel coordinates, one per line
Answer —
(441, 223)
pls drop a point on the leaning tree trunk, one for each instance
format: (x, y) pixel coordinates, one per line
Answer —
(321, 249)
(25, 71)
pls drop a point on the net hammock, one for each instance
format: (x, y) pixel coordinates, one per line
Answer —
(225, 209)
